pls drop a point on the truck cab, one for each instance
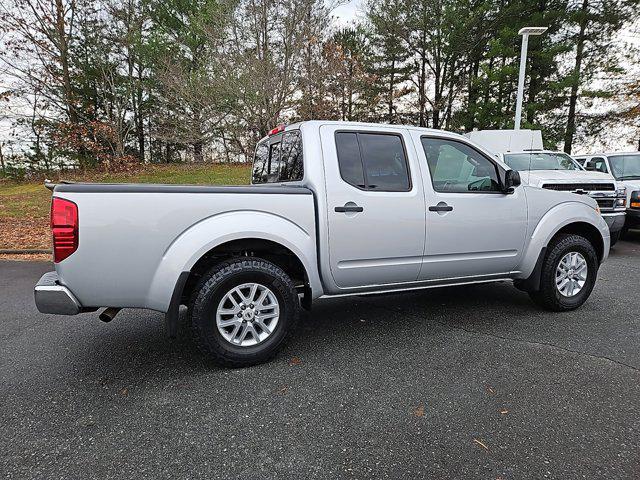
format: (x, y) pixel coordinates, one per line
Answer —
(625, 168)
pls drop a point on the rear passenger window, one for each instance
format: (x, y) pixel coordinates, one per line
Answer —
(373, 161)
(279, 159)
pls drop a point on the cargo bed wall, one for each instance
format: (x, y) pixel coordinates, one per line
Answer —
(134, 241)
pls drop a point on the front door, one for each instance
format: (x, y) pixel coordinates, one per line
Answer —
(474, 229)
(376, 206)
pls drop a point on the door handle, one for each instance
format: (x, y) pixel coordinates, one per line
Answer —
(349, 208)
(441, 207)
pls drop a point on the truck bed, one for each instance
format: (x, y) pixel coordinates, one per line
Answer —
(135, 240)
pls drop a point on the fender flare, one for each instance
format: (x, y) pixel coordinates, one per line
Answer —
(554, 220)
(200, 238)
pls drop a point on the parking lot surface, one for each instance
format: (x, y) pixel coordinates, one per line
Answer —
(466, 382)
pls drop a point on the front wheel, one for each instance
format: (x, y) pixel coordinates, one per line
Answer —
(242, 311)
(568, 274)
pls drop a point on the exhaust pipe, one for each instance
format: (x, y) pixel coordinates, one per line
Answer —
(108, 314)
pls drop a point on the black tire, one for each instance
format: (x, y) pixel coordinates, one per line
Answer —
(215, 284)
(615, 236)
(548, 296)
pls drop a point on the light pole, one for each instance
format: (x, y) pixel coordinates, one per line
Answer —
(525, 32)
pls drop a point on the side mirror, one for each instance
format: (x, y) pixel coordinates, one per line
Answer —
(511, 180)
(590, 165)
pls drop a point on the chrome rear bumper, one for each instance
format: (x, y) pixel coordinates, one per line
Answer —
(51, 297)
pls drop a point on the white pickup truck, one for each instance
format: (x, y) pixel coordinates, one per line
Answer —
(335, 209)
(625, 167)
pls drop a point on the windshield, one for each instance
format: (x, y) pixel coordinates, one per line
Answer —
(625, 167)
(540, 161)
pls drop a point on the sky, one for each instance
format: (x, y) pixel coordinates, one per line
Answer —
(347, 12)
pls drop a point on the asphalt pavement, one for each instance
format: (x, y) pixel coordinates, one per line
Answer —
(467, 382)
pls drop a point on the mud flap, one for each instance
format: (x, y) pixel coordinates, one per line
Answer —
(172, 316)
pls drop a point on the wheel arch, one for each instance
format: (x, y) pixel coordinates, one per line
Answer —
(566, 218)
(269, 250)
(256, 231)
(266, 249)
(586, 230)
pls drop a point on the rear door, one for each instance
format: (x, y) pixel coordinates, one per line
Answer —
(375, 206)
(474, 229)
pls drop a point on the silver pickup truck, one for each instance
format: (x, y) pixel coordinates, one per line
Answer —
(335, 209)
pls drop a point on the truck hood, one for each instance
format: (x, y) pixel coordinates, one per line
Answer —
(537, 178)
(632, 185)
(560, 197)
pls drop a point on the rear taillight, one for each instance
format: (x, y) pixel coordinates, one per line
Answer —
(64, 227)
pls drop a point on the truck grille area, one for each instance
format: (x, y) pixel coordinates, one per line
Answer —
(605, 203)
(586, 187)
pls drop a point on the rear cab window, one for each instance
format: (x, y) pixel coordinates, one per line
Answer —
(279, 159)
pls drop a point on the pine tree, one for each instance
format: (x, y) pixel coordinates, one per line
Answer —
(389, 60)
(594, 24)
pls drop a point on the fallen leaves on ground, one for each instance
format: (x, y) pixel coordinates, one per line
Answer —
(295, 361)
(504, 411)
(419, 411)
(24, 233)
(32, 257)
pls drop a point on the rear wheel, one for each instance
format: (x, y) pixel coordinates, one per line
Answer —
(568, 274)
(242, 311)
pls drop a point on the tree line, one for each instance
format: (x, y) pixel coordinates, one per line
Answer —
(108, 83)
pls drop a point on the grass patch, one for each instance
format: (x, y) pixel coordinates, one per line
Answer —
(218, 174)
(31, 200)
(24, 201)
